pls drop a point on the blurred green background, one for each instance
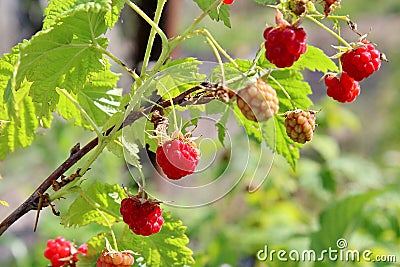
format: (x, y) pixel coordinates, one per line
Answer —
(355, 152)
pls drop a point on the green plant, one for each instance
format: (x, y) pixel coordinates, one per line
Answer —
(66, 69)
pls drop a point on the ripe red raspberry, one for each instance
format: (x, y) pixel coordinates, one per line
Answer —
(58, 251)
(258, 101)
(228, 2)
(177, 158)
(362, 61)
(284, 45)
(115, 259)
(343, 89)
(62, 252)
(300, 125)
(144, 216)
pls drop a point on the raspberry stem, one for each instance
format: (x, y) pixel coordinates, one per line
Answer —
(152, 36)
(337, 36)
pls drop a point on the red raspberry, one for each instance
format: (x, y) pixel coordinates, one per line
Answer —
(343, 89)
(284, 45)
(361, 62)
(115, 259)
(300, 125)
(177, 158)
(228, 2)
(143, 216)
(258, 101)
(58, 251)
(82, 249)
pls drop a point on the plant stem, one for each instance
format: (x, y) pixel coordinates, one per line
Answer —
(152, 35)
(218, 56)
(84, 114)
(118, 61)
(208, 35)
(337, 36)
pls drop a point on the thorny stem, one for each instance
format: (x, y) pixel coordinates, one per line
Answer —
(337, 36)
(152, 35)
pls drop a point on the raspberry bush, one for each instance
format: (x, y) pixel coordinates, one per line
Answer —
(68, 70)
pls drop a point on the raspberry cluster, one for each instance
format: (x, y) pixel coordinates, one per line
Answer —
(362, 61)
(343, 89)
(62, 252)
(115, 259)
(284, 44)
(300, 125)
(258, 101)
(177, 158)
(143, 216)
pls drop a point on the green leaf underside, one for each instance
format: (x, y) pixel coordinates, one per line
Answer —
(64, 55)
(339, 218)
(57, 8)
(97, 98)
(178, 76)
(274, 135)
(81, 212)
(218, 14)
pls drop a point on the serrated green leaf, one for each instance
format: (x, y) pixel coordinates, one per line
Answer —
(217, 14)
(252, 128)
(57, 8)
(99, 98)
(165, 249)
(221, 126)
(292, 82)
(274, 135)
(18, 114)
(178, 76)
(90, 207)
(339, 218)
(315, 60)
(64, 55)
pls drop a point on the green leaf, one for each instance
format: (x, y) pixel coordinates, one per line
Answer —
(274, 135)
(292, 82)
(339, 219)
(57, 8)
(18, 114)
(98, 98)
(315, 60)
(164, 249)
(217, 14)
(100, 204)
(64, 55)
(178, 76)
